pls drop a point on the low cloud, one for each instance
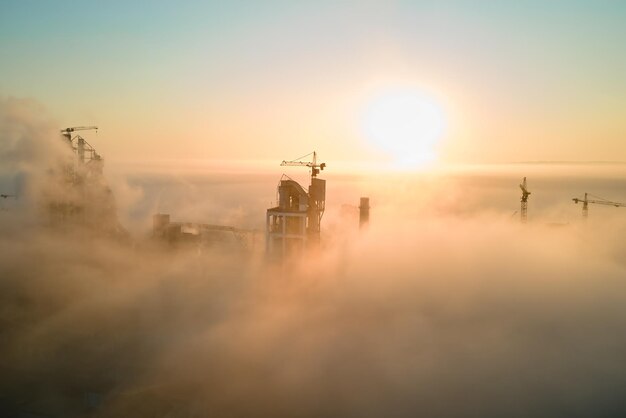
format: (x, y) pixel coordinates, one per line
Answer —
(445, 312)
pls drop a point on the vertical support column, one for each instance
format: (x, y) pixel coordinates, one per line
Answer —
(267, 232)
(364, 212)
(81, 149)
(283, 239)
(303, 233)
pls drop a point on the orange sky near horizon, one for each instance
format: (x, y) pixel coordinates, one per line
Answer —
(530, 82)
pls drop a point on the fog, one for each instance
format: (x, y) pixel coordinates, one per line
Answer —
(445, 305)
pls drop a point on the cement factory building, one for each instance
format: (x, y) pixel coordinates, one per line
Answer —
(294, 224)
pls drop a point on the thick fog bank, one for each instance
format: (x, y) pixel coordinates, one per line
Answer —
(440, 307)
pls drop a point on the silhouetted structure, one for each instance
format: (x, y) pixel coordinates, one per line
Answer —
(524, 205)
(602, 201)
(200, 234)
(294, 224)
(77, 193)
(364, 212)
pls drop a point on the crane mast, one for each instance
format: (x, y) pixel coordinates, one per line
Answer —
(524, 201)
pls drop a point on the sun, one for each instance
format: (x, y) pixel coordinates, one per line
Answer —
(405, 124)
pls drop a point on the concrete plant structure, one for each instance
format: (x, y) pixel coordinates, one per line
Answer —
(294, 225)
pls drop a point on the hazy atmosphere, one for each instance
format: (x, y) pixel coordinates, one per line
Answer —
(240, 80)
(165, 264)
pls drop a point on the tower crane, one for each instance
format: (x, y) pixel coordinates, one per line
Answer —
(313, 165)
(524, 204)
(602, 201)
(81, 144)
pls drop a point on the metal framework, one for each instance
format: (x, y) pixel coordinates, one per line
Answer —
(82, 148)
(294, 224)
(524, 201)
(313, 165)
(585, 201)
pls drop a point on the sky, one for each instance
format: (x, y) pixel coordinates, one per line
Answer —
(273, 80)
(444, 305)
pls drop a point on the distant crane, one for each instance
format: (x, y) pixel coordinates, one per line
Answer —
(602, 201)
(524, 205)
(313, 165)
(81, 144)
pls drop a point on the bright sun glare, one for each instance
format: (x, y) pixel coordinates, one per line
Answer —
(405, 124)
